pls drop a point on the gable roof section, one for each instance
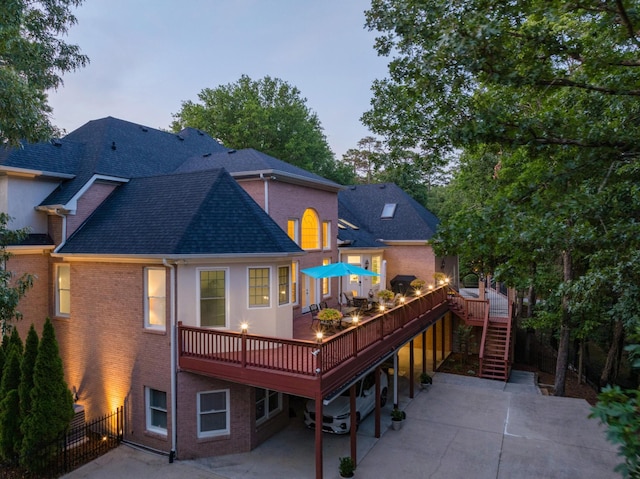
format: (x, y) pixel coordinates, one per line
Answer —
(362, 206)
(200, 213)
(249, 162)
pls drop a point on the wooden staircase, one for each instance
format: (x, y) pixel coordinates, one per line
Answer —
(495, 361)
(496, 345)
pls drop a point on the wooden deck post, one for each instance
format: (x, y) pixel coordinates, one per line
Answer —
(318, 431)
(411, 374)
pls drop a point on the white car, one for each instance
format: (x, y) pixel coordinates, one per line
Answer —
(336, 415)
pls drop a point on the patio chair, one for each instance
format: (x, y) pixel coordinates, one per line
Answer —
(348, 296)
(362, 304)
(313, 311)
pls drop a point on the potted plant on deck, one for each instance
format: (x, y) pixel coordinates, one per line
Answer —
(397, 416)
(425, 380)
(385, 296)
(347, 467)
(417, 284)
(329, 315)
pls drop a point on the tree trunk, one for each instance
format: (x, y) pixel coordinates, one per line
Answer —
(612, 364)
(562, 362)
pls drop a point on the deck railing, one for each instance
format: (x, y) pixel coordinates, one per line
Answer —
(303, 357)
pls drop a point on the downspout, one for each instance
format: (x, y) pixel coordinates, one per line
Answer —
(174, 399)
(63, 234)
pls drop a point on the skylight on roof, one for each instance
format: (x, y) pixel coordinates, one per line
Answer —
(388, 211)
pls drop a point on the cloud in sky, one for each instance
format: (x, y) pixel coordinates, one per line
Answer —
(148, 56)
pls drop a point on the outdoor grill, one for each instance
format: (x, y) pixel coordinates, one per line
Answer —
(402, 283)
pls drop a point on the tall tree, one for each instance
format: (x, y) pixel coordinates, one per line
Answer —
(551, 87)
(268, 115)
(51, 401)
(32, 59)
(12, 287)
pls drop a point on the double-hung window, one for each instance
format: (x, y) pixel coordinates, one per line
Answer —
(156, 406)
(63, 290)
(283, 285)
(213, 413)
(213, 298)
(155, 306)
(259, 287)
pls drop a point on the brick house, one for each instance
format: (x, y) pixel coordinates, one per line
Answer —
(142, 240)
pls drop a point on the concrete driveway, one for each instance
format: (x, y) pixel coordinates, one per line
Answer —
(462, 427)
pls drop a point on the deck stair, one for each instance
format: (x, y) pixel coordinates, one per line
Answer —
(495, 362)
(495, 318)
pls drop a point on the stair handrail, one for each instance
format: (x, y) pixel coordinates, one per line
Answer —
(507, 350)
(484, 335)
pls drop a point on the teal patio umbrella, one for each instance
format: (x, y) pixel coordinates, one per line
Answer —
(333, 270)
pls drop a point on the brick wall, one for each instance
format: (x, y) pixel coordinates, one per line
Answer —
(108, 355)
(89, 201)
(35, 304)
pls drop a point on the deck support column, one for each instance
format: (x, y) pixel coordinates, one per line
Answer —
(424, 351)
(434, 345)
(378, 404)
(411, 374)
(354, 424)
(318, 431)
(443, 333)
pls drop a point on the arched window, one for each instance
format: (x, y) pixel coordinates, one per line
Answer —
(310, 230)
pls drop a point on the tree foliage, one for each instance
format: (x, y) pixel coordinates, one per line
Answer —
(51, 400)
(620, 411)
(32, 59)
(12, 287)
(268, 115)
(10, 406)
(540, 99)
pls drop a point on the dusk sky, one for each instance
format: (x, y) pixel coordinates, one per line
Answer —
(148, 56)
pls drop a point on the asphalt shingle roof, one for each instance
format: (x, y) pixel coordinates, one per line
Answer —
(362, 205)
(194, 213)
(247, 160)
(110, 147)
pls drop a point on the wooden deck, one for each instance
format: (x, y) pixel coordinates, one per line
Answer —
(304, 366)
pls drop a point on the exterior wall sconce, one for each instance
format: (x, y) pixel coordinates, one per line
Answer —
(443, 264)
(366, 264)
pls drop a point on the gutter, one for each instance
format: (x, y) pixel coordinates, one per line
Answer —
(174, 372)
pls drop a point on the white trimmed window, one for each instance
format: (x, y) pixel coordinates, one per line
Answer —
(259, 287)
(326, 289)
(326, 235)
(212, 298)
(213, 413)
(310, 230)
(268, 404)
(283, 285)
(155, 305)
(293, 230)
(63, 290)
(294, 282)
(156, 406)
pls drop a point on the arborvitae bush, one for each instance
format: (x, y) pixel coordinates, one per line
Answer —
(10, 406)
(51, 402)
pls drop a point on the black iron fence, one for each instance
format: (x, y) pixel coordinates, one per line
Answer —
(80, 445)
